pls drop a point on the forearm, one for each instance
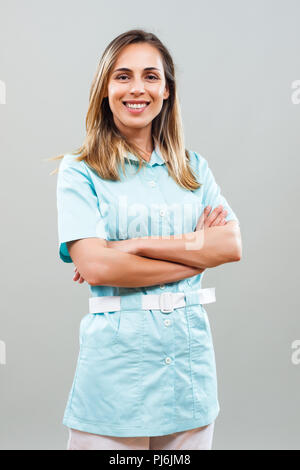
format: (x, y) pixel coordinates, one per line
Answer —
(116, 268)
(205, 248)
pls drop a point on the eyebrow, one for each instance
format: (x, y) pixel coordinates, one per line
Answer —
(125, 69)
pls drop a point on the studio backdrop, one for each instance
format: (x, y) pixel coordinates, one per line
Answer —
(238, 72)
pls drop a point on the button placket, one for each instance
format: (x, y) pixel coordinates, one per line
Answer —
(164, 217)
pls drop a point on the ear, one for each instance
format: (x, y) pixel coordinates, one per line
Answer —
(166, 92)
(106, 93)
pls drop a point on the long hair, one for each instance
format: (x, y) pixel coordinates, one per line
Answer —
(104, 147)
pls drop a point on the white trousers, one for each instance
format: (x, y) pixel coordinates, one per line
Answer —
(193, 439)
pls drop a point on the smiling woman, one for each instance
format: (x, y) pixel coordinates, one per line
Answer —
(136, 97)
(146, 373)
(135, 67)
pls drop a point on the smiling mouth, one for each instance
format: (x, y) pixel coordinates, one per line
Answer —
(141, 105)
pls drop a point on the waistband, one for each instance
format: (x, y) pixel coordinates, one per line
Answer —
(166, 301)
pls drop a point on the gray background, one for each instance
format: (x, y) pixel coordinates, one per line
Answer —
(236, 62)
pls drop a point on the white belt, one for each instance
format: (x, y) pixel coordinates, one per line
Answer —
(166, 301)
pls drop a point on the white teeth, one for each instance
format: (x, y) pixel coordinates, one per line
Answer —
(130, 105)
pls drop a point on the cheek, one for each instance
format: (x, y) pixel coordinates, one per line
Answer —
(158, 93)
(157, 105)
(158, 98)
(161, 90)
(115, 92)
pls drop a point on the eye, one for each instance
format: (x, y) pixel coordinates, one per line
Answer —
(152, 76)
(126, 76)
(121, 76)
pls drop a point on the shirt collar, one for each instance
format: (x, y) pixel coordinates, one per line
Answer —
(156, 157)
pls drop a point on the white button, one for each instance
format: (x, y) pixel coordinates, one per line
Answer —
(152, 183)
(168, 360)
(162, 286)
(167, 322)
(162, 212)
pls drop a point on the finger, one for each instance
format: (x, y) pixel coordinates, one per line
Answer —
(202, 218)
(219, 219)
(200, 221)
(76, 276)
(213, 215)
(225, 213)
(222, 222)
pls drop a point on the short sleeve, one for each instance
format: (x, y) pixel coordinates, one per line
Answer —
(211, 190)
(77, 205)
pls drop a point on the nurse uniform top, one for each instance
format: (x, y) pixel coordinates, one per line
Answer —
(139, 372)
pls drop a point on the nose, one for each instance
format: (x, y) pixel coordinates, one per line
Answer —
(137, 86)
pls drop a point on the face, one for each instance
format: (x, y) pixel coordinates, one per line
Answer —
(142, 81)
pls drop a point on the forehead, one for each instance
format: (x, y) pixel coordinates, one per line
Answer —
(139, 56)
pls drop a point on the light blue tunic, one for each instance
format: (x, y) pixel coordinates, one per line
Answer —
(139, 372)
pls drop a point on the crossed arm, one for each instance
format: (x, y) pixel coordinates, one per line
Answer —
(204, 248)
(149, 261)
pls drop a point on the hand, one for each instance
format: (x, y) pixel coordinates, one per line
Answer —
(77, 276)
(216, 218)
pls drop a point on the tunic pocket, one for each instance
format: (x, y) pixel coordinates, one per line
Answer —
(198, 317)
(100, 329)
(203, 361)
(107, 384)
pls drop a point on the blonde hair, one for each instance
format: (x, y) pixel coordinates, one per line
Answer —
(104, 147)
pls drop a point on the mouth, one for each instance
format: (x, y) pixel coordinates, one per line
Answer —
(136, 102)
(137, 107)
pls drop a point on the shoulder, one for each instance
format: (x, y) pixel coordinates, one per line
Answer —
(71, 165)
(70, 160)
(198, 162)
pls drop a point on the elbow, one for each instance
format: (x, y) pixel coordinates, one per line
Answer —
(237, 250)
(93, 282)
(237, 257)
(96, 276)
(235, 242)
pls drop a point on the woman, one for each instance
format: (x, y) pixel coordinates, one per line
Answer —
(141, 217)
